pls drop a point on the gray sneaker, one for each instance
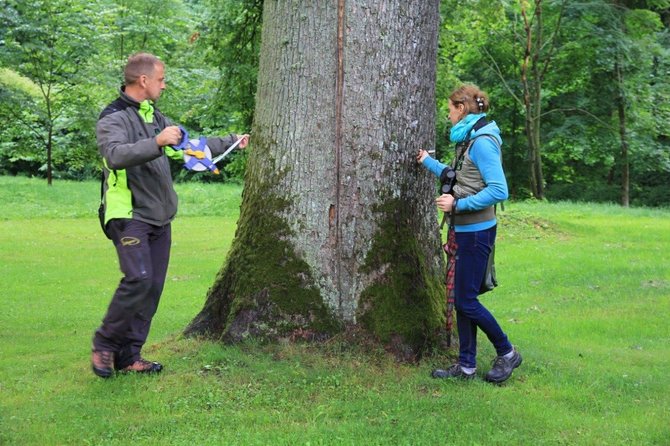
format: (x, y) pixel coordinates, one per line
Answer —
(455, 371)
(502, 368)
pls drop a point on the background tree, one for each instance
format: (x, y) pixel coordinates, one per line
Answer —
(19, 149)
(480, 43)
(231, 41)
(338, 226)
(608, 113)
(47, 41)
(168, 29)
(518, 48)
(581, 156)
(632, 72)
(539, 51)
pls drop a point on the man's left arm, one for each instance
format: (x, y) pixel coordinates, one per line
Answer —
(218, 145)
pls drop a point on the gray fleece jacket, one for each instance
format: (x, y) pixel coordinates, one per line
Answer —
(137, 180)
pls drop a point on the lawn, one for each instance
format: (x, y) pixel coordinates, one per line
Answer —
(584, 295)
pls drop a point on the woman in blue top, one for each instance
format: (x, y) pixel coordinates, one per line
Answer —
(480, 184)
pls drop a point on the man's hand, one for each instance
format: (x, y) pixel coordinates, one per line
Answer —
(170, 136)
(422, 155)
(245, 141)
(445, 202)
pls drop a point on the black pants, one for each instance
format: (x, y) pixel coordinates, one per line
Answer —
(144, 253)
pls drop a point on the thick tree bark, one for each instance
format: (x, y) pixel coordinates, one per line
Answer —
(338, 227)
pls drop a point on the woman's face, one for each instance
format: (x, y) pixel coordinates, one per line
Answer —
(456, 112)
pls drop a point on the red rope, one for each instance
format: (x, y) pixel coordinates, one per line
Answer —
(450, 249)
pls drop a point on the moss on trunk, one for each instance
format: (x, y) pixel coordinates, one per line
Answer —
(264, 289)
(405, 306)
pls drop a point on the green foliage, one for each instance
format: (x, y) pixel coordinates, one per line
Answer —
(56, 108)
(154, 26)
(48, 43)
(211, 50)
(577, 285)
(479, 45)
(633, 41)
(20, 150)
(231, 42)
(580, 127)
(11, 80)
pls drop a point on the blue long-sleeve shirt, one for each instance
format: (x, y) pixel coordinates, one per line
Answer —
(486, 156)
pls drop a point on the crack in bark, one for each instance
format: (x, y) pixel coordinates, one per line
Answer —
(339, 95)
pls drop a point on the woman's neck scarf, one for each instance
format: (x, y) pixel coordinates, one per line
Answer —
(461, 130)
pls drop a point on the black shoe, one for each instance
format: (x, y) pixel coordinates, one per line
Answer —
(455, 371)
(502, 368)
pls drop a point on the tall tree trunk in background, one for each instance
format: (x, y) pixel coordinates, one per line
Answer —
(620, 101)
(531, 80)
(625, 165)
(337, 228)
(49, 157)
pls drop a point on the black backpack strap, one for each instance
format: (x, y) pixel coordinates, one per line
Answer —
(101, 208)
(102, 184)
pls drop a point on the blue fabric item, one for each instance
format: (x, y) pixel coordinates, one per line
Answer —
(472, 254)
(486, 155)
(434, 166)
(461, 130)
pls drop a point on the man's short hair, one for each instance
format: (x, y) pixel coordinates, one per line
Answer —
(139, 64)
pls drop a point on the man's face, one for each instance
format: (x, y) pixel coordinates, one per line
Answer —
(155, 83)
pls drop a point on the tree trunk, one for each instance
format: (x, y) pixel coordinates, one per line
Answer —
(338, 227)
(50, 133)
(531, 79)
(49, 155)
(534, 152)
(534, 143)
(621, 112)
(620, 101)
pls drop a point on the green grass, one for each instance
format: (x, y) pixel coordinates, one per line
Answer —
(584, 295)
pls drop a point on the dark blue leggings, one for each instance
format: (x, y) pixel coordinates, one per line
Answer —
(471, 258)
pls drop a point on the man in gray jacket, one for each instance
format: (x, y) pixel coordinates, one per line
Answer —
(135, 142)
